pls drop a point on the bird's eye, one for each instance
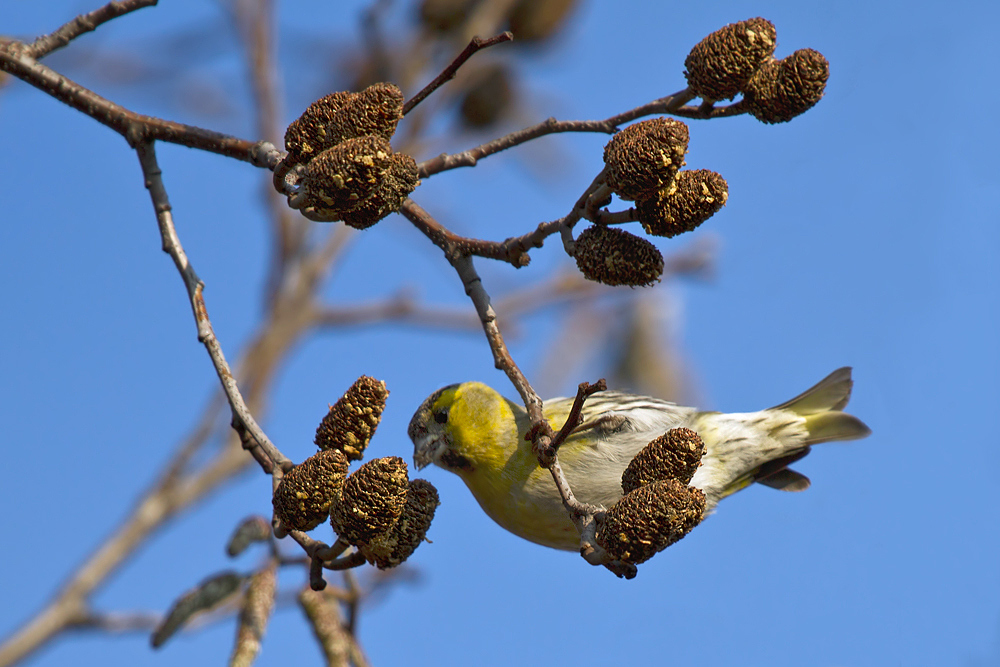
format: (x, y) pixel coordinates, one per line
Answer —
(441, 416)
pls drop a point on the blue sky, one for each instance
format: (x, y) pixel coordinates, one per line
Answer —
(863, 233)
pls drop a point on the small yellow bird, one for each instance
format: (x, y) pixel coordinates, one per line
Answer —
(476, 433)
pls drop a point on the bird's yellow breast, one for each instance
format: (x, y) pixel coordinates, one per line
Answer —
(504, 475)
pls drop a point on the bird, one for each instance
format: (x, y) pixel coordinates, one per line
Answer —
(471, 430)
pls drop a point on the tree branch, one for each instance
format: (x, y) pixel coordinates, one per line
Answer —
(83, 24)
(401, 309)
(475, 45)
(243, 421)
(136, 128)
(469, 158)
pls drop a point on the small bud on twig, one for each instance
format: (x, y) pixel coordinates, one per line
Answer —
(615, 257)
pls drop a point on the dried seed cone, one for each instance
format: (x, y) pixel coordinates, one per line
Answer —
(398, 181)
(314, 131)
(674, 455)
(341, 178)
(720, 65)
(377, 110)
(444, 15)
(339, 116)
(373, 499)
(645, 157)
(650, 519)
(615, 257)
(351, 422)
(694, 197)
(537, 20)
(783, 89)
(395, 546)
(303, 499)
(489, 95)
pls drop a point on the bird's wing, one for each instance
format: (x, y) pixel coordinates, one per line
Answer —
(612, 412)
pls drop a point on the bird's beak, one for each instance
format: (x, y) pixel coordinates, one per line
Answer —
(424, 449)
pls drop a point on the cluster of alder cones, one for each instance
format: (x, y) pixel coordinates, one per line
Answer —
(340, 163)
(377, 508)
(658, 507)
(643, 162)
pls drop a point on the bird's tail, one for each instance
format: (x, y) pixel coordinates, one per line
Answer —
(821, 406)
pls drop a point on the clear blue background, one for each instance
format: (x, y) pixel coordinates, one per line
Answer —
(863, 233)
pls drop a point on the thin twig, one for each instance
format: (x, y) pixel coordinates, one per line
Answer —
(401, 309)
(316, 580)
(564, 225)
(665, 105)
(462, 262)
(316, 548)
(615, 217)
(243, 421)
(454, 245)
(448, 73)
(574, 419)
(701, 113)
(83, 24)
(470, 157)
(351, 560)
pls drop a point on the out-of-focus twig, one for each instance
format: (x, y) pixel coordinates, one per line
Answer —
(401, 309)
(323, 614)
(83, 24)
(289, 230)
(255, 612)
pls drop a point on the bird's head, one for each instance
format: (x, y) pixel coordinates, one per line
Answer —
(463, 426)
